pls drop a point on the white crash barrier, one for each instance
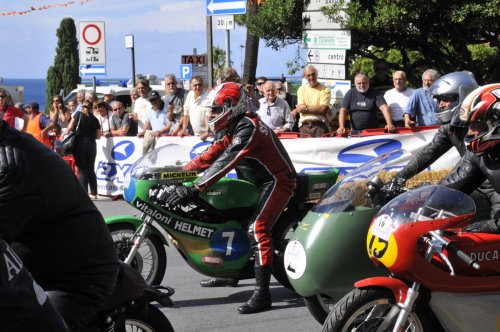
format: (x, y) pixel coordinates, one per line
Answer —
(116, 155)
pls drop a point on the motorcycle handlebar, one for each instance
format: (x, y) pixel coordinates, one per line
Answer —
(450, 246)
(463, 256)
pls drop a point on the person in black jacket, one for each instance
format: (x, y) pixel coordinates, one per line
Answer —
(450, 90)
(245, 143)
(51, 223)
(481, 161)
(87, 128)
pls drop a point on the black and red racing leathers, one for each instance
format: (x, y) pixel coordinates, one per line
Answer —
(257, 155)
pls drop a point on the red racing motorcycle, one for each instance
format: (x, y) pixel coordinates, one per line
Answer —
(440, 278)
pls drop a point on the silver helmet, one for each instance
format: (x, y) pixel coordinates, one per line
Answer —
(452, 87)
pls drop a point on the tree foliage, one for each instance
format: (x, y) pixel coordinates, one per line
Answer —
(219, 60)
(446, 35)
(427, 34)
(64, 74)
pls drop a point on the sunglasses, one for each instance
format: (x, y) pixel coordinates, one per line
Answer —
(260, 83)
(3, 96)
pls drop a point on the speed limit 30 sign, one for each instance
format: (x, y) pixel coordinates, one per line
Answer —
(92, 43)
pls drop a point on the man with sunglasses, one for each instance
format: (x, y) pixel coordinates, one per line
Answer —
(120, 121)
(195, 115)
(260, 87)
(174, 99)
(274, 111)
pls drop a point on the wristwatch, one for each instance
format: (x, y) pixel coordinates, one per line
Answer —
(306, 110)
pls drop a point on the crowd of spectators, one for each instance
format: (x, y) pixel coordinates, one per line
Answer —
(379, 102)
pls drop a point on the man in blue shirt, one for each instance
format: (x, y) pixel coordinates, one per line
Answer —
(421, 106)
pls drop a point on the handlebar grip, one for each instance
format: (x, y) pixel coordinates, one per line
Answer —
(463, 256)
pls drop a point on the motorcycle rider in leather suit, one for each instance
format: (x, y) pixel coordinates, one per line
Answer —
(50, 222)
(245, 143)
(450, 90)
(481, 161)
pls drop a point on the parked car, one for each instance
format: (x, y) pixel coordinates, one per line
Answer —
(122, 93)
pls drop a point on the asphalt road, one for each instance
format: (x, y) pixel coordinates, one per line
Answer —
(215, 309)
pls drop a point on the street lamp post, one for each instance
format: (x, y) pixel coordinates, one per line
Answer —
(129, 43)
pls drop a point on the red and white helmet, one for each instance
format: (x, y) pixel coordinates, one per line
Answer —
(481, 109)
(226, 102)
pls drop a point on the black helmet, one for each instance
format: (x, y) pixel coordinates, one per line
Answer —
(452, 87)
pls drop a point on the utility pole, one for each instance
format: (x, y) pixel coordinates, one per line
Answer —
(241, 59)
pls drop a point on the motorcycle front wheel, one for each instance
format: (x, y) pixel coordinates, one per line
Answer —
(151, 259)
(365, 310)
(319, 306)
(282, 232)
(146, 318)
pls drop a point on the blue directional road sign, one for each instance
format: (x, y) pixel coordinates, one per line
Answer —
(186, 72)
(226, 7)
(92, 70)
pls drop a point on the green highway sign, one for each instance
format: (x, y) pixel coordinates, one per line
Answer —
(327, 39)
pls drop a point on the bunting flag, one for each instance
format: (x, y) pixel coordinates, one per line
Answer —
(258, 2)
(32, 8)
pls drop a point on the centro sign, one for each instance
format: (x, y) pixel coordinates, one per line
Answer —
(92, 43)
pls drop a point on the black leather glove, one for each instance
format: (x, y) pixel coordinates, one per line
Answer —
(484, 226)
(181, 195)
(394, 187)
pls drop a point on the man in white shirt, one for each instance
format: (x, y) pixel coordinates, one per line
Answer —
(398, 97)
(275, 111)
(195, 111)
(141, 104)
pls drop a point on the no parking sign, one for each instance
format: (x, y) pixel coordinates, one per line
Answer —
(92, 43)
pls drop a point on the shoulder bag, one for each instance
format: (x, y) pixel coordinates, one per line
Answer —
(68, 144)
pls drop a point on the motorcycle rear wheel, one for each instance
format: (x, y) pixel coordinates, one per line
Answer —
(151, 259)
(319, 306)
(365, 309)
(147, 319)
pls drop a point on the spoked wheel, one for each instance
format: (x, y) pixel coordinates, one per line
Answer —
(147, 319)
(151, 259)
(282, 233)
(365, 310)
(319, 306)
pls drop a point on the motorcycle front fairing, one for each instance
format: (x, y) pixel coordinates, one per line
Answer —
(210, 245)
(326, 253)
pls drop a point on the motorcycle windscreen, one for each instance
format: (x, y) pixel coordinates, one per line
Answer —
(350, 192)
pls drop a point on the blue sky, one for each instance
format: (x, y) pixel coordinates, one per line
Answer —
(163, 31)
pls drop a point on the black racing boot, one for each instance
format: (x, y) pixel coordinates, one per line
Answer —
(219, 282)
(261, 297)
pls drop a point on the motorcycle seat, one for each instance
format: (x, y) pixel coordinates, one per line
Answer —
(129, 286)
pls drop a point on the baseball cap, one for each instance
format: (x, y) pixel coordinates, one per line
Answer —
(32, 105)
(153, 95)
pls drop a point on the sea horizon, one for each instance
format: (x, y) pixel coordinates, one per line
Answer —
(35, 88)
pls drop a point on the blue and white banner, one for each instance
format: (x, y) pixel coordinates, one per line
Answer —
(116, 155)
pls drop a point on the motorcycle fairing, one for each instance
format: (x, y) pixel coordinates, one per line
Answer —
(460, 312)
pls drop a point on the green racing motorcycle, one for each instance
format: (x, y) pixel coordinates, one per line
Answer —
(210, 232)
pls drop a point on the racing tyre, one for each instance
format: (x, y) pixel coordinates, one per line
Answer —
(150, 260)
(146, 318)
(365, 309)
(319, 306)
(282, 232)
